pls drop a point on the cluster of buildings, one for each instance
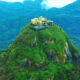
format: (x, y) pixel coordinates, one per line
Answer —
(40, 23)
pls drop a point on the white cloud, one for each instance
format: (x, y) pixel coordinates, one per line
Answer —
(16, 0)
(56, 3)
(13, 0)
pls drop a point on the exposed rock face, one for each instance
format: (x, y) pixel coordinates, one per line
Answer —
(76, 59)
(26, 63)
(71, 57)
(50, 54)
(68, 53)
(39, 66)
(34, 44)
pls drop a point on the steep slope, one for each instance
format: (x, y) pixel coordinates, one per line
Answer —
(39, 55)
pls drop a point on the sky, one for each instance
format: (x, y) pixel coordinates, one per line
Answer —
(48, 3)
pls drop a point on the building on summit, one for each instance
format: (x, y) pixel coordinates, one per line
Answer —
(41, 23)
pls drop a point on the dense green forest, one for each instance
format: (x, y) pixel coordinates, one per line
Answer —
(40, 55)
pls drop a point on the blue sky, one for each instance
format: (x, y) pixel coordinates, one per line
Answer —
(48, 3)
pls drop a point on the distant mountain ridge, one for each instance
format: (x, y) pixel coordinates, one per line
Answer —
(13, 16)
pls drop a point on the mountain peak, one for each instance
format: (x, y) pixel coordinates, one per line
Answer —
(36, 54)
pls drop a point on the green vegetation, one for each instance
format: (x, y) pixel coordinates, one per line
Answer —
(38, 55)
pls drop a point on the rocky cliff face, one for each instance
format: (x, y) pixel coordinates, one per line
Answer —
(39, 55)
(68, 53)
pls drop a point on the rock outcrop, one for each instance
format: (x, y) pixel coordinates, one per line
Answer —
(68, 53)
